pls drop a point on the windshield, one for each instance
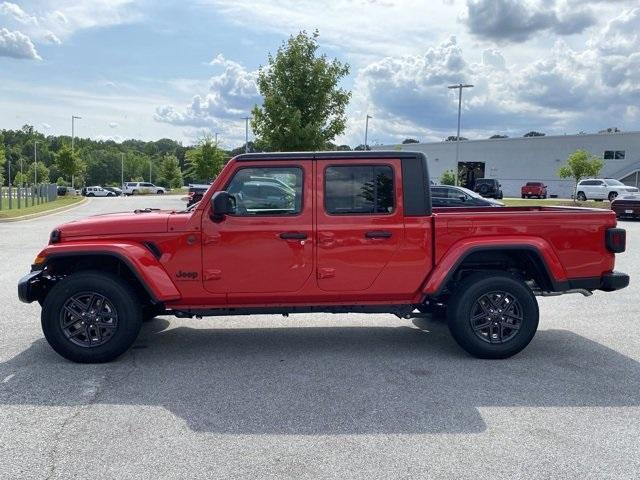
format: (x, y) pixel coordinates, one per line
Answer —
(614, 182)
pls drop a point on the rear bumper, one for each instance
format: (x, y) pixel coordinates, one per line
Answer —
(30, 286)
(608, 282)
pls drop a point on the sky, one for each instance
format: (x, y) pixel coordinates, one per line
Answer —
(153, 69)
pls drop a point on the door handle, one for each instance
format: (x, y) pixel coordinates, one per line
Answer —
(378, 234)
(293, 236)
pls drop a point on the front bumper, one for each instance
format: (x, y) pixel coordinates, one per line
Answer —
(30, 287)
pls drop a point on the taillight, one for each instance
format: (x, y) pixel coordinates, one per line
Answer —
(616, 239)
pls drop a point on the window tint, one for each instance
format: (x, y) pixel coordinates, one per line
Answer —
(359, 189)
(614, 154)
(146, 184)
(267, 191)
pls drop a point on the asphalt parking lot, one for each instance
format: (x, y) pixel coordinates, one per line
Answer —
(320, 396)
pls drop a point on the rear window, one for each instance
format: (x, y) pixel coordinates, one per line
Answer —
(359, 190)
(534, 184)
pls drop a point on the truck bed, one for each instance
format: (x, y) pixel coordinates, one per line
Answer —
(572, 238)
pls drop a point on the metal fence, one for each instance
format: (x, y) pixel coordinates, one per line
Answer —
(23, 197)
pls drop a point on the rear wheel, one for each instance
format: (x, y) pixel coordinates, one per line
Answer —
(581, 197)
(524, 196)
(492, 316)
(135, 192)
(91, 317)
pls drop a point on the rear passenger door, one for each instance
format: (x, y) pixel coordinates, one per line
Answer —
(359, 221)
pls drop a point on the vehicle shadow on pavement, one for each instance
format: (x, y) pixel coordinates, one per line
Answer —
(312, 381)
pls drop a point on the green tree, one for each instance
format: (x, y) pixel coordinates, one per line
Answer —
(205, 161)
(69, 163)
(170, 174)
(581, 164)
(61, 182)
(43, 174)
(303, 107)
(20, 179)
(448, 177)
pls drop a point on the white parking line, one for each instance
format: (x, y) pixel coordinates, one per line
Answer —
(8, 377)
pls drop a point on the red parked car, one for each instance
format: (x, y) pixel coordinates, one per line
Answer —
(344, 232)
(534, 189)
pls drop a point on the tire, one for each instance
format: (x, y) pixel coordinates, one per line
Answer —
(581, 197)
(160, 192)
(111, 295)
(483, 190)
(134, 192)
(469, 298)
(544, 197)
(612, 196)
(524, 196)
(90, 195)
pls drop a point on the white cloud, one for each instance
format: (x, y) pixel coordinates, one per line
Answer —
(52, 38)
(232, 94)
(17, 45)
(113, 124)
(365, 28)
(14, 11)
(53, 21)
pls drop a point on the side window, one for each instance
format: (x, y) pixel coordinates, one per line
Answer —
(267, 191)
(438, 192)
(359, 189)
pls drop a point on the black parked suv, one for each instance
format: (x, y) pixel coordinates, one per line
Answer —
(488, 187)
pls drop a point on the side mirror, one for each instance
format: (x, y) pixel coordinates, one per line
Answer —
(222, 204)
(463, 198)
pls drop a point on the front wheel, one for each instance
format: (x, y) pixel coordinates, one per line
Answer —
(581, 197)
(91, 317)
(160, 192)
(612, 196)
(492, 316)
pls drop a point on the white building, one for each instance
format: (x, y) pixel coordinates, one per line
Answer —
(515, 161)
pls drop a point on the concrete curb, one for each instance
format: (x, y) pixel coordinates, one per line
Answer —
(45, 213)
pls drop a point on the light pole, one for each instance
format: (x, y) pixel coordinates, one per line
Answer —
(216, 138)
(366, 130)
(122, 171)
(460, 86)
(150, 170)
(73, 135)
(35, 163)
(246, 134)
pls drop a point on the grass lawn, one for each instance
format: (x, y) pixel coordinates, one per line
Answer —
(551, 202)
(43, 207)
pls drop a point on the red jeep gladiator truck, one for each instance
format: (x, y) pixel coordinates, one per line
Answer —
(281, 233)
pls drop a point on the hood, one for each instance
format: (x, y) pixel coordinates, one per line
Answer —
(140, 221)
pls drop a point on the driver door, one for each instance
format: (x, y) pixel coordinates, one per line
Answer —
(266, 246)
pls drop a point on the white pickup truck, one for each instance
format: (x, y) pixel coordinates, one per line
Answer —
(138, 188)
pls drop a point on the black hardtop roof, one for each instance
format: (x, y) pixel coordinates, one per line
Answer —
(332, 155)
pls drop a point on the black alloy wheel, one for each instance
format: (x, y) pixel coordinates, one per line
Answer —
(88, 319)
(496, 317)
